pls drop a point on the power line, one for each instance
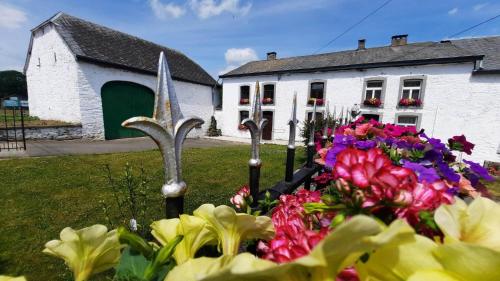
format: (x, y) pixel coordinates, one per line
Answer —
(474, 26)
(354, 25)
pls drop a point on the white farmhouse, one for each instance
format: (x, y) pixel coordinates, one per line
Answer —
(81, 72)
(454, 87)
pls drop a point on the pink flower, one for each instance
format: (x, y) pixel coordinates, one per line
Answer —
(242, 197)
(362, 130)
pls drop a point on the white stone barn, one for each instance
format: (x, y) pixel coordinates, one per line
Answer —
(80, 72)
(457, 81)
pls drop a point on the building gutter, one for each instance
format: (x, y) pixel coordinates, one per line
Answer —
(363, 66)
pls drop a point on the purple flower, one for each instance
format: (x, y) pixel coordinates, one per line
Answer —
(448, 172)
(479, 170)
(340, 142)
(436, 143)
(424, 174)
(365, 145)
(419, 146)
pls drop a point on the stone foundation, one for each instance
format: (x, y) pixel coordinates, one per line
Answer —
(61, 132)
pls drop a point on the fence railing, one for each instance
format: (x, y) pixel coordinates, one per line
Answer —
(12, 134)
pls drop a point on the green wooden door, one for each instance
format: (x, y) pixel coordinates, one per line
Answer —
(120, 101)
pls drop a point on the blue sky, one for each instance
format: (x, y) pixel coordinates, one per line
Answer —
(222, 34)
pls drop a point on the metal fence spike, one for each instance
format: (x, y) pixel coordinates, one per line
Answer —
(292, 123)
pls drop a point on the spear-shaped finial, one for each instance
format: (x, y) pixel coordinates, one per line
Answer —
(341, 116)
(292, 123)
(325, 126)
(168, 128)
(312, 123)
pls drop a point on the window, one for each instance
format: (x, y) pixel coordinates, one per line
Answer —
(244, 94)
(374, 89)
(369, 117)
(412, 89)
(244, 114)
(319, 116)
(268, 94)
(407, 120)
(317, 91)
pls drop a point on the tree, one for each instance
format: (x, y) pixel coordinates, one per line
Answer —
(12, 83)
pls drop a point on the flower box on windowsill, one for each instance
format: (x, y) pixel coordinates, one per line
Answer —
(319, 102)
(244, 101)
(410, 103)
(242, 127)
(374, 102)
(267, 101)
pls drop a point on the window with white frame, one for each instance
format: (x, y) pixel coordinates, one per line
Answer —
(316, 91)
(412, 89)
(244, 114)
(268, 94)
(244, 94)
(373, 89)
(407, 120)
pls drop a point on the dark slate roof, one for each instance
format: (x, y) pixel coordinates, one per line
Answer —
(487, 46)
(411, 54)
(98, 44)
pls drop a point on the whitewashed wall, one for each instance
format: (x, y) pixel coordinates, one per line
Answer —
(455, 101)
(194, 99)
(52, 78)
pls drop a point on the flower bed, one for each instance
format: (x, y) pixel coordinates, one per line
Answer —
(410, 102)
(389, 206)
(374, 102)
(267, 101)
(319, 102)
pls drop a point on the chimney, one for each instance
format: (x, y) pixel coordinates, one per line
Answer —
(361, 44)
(271, 56)
(399, 40)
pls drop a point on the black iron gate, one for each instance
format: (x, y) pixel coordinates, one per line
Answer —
(12, 135)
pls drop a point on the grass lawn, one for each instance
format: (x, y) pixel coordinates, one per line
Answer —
(11, 118)
(41, 196)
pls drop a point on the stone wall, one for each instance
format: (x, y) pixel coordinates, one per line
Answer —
(64, 132)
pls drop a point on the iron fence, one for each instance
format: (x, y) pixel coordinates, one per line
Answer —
(12, 133)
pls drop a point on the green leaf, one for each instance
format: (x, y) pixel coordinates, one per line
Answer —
(131, 267)
(135, 242)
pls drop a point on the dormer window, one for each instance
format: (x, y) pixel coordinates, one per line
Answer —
(268, 94)
(244, 95)
(316, 92)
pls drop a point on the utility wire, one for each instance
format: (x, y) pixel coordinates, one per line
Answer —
(354, 25)
(474, 26)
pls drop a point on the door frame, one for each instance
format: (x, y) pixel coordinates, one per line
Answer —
(272, 128)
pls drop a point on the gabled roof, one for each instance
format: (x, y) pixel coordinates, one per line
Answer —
(97, 44)
(410, 54)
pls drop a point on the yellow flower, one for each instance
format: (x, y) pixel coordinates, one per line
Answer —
(86, 251)
(8, 278)
(232, 228)
(477, 223)
(194, 230)
(339, 249)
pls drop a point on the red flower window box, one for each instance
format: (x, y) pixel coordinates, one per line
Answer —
(267, 101)
(319, 102)
(244, 101)
(374, 102)
(410, 102)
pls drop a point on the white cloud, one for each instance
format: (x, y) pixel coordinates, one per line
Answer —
(237, 57)
(479, 6)
(453, 11)
(208, 8)
(165, 11)
(11, 17)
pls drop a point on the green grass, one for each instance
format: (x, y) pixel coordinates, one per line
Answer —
(41, 196)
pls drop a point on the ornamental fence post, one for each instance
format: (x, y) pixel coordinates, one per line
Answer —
(311, 147)
(290, 151)
(255, 125)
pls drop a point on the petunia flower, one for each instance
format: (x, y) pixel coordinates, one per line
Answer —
(87, 251)
(424, 174)
(479, 170)
(460, 143)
